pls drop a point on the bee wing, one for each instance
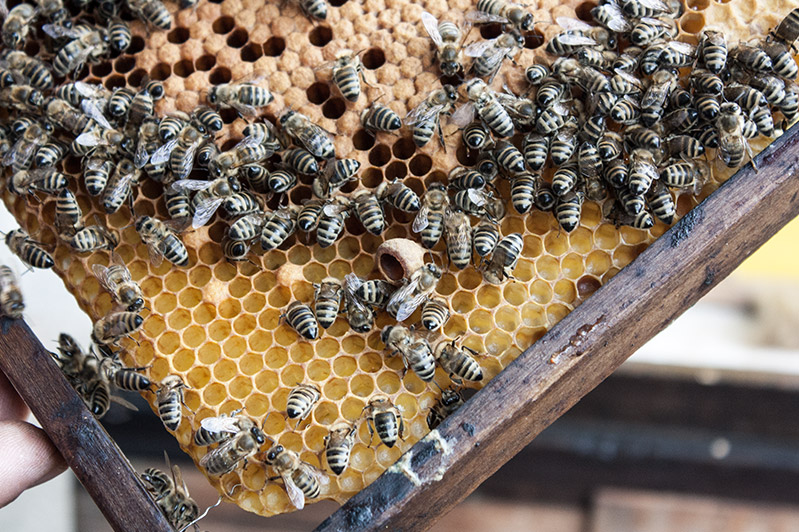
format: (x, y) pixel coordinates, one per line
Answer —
(658, 5)
(463, 115)
(655, 95)
(682, 47)
(655, 22)
(352, 283)
(187, 161)
(141, 156)
(184, 186)
(296, 496)
(310, 137)
(162, 154)
(220, 424)
(576, 39)
(91, 110)
(56, 31)
(205, 211)
(3, 9)
(77, 60)
(243, 108)
(617, 21)
(629, 78)
(117, 260)
(101, 272)
(476, 196)
(480, 17)
(22, 150)
(431, 25)
(568, 23)
(477, 49)
(156, 253)
(421, 221)
(407, 307)
(316, 473)
(90, 138)
(87, 89)
(246, 142)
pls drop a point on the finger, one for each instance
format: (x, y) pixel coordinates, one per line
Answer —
(11, 406)
(28, 459)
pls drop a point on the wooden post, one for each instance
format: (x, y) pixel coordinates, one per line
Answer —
(88, 450)
(583, 349)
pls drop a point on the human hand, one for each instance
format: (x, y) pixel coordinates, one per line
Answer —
(27, 456)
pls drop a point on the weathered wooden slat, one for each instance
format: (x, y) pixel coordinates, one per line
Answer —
(88, 450)
(666, 279)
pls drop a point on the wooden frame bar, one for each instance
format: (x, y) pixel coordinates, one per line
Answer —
(88, 450)
(587, 345)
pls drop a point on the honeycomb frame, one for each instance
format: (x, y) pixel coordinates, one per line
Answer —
(218, 324)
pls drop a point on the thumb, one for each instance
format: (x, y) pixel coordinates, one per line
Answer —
(27, 458)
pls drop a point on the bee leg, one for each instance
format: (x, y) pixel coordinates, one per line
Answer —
(441, 136)
(371, 431)
(401, 428)
(751, 156)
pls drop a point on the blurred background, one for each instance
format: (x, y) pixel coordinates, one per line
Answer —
(696, 432)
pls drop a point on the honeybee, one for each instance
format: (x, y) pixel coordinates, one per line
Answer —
(22, 98)
(161, 240)
(315, 139)
(35, 72)
(732, 143)
(301, 401)
(90, 238)
(429, 221)
(461, 178)
(109, 329)
(28, 250)
(713, 50)
(240, 437)
(483, 101)
(400, 196)
(245, 96)
(578, 35)
(300, 478)
(503, 12)
(169, 399)
(751, 58)
(152, 12)
(314, 8)
(378, 117)
(346, 70)
(331, 222)
(301, 318)
(250, 150)
(338, 446)
(47, 180)
(504, 259)
(458, 229)
(782, 61)
(327, 298)
(447, 38)
(425, 118)
(435, 313)
(210, 195)
(369, 211)
(385, 419)
(475, 135)
(143, 104)
(361, 317)
(84, 46)
(414, 292)
(98, 140)
(17, 24)
(118, 188)
(179, 152)
(485, 237)
(508, 157)
(172, 496)
(375, 292)
(788, 29)
(450, 401)
(278, 226)
(67, 210)
(643, 171)
(123, 378)
(415, 351)
(489, 55)
(11, 303)
(23, 151)
(458, 362)
(117, 281)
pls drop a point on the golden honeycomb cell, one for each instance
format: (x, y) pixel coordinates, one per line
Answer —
(219, 325)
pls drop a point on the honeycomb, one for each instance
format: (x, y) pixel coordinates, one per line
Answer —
(218, 324)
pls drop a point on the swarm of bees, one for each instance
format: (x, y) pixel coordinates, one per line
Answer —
(610, 119)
